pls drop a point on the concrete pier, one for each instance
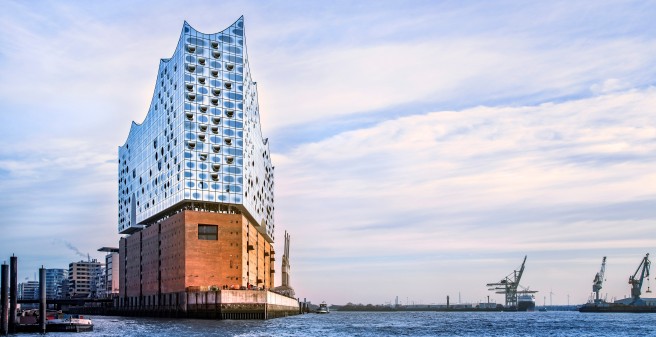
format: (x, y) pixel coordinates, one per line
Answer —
(218, 304)
(4, 320)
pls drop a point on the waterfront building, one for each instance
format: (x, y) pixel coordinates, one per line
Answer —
(54, 278)
(28, 290)
(82, 278)
(195, 177)
(110, 286)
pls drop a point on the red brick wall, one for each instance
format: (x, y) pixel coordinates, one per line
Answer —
(173, 257)
(208, 262)
(132, 270)
(172, 248)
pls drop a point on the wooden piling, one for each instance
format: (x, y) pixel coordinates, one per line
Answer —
(13, 292)
(4, 320)
(42, 300)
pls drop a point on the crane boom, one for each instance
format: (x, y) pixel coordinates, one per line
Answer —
(521, 271)
(599, 280)
(636, 281)
(508, 286)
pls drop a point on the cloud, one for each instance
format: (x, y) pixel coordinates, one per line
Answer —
(59, 193)
(485, 181)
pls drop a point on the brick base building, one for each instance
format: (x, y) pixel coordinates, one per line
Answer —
(195, 250)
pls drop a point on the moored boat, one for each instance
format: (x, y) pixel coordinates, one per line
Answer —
(323, 308)
(526, 302)
(69, 323)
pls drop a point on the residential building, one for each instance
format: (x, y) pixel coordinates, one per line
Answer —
(82, 278)
(111, 272)
(28, 290)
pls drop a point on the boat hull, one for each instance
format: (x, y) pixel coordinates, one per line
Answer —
(69, 327)
(526, 306)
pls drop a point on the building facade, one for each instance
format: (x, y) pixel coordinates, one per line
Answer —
(195, 177)
(83, 278)
(28, 290)
(110, 277)
(54, 279)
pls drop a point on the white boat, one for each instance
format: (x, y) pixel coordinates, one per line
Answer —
(323, 308)
(69, 323)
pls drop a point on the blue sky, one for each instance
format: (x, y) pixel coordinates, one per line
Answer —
(422, 148)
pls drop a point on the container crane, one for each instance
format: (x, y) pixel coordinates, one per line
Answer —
(508, 286)
(599, 281)
(636, 281)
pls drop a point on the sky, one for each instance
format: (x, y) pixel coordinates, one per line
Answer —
(421, 148)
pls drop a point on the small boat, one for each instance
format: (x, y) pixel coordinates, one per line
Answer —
(323, 308)
(69, 323)
(543, 309)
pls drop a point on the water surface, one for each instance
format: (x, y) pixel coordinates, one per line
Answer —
(372, 324)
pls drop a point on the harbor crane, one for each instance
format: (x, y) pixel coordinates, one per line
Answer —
(508, 286)
(599, 281)
(636, 281)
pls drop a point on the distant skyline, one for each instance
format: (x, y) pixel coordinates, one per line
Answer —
(421, 148)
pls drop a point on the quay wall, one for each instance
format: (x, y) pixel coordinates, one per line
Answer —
(219, 304)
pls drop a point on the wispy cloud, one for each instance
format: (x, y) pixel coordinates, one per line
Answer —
(481, 182)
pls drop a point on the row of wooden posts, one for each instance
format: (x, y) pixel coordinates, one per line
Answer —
(9, 297)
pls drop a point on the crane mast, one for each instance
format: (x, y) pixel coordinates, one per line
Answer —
(599, 280)
(508, 286)
(636, 281)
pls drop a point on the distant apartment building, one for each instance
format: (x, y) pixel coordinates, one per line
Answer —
(54, 280)
(28, 290)
(83, 278)
(111, 273)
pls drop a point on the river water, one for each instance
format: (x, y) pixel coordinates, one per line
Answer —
(564, 323)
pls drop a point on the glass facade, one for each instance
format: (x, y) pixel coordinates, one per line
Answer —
(201, 140)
